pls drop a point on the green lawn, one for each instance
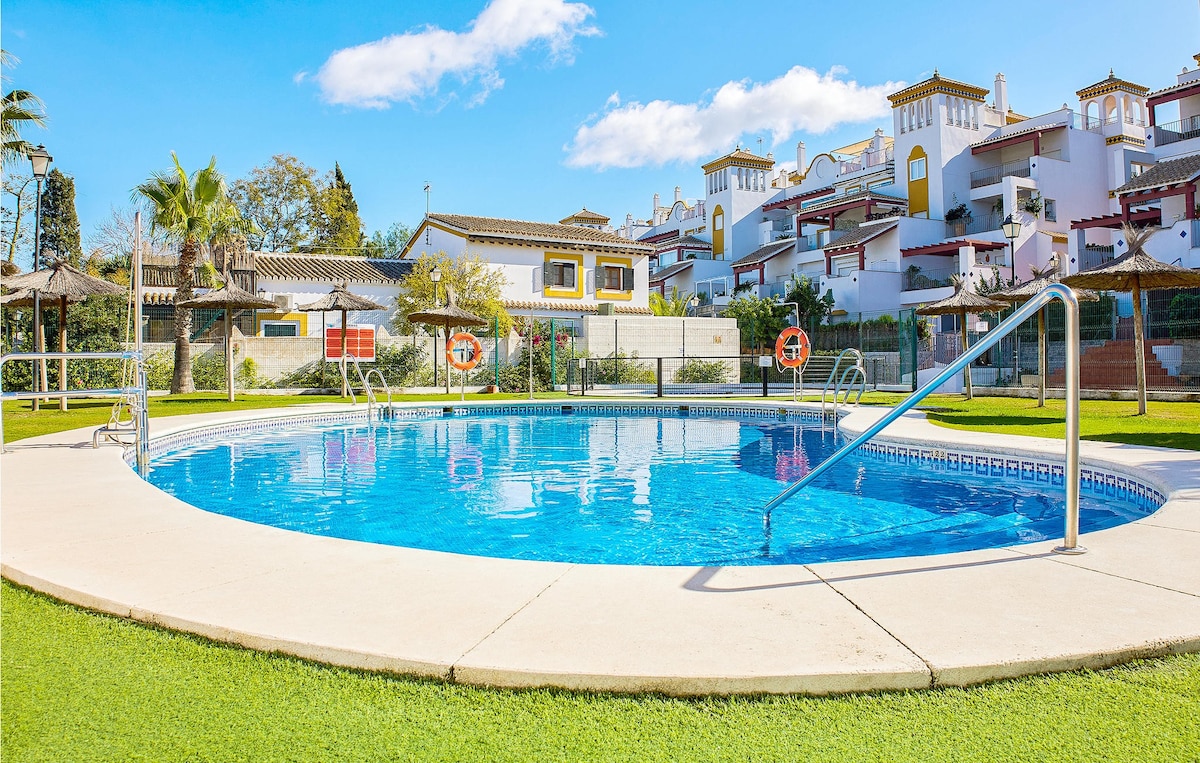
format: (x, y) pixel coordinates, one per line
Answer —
(81, 686)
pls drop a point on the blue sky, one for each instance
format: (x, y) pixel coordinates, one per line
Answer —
(529, 108)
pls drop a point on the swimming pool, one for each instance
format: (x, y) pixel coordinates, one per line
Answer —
(646, 486)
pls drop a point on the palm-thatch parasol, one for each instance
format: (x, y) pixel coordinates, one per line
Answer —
(229, 297)
(960, 303)
(1025, 291)
(67, 284)
(446, 318)
(342, 300)
(8, 268)
(1134, 271)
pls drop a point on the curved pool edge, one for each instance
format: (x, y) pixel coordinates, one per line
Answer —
(107, 541)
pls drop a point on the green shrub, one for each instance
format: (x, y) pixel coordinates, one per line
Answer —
(702, 372)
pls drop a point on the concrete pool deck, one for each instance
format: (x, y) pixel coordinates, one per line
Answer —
(78, 524)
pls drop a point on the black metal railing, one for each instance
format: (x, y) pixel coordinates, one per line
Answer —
(927, 278)
(1173, 132)
(990, 175)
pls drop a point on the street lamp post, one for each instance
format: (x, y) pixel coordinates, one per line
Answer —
(40, 160)
(1012, 230)
(435, 275)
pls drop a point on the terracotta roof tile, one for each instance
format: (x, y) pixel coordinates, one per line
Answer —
(862, 234)
(329, 268)
(544, 232)
(1165, 173)
(764, 253)
(670, 271)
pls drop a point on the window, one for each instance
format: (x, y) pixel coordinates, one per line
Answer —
(1051, 210)
(281, 328)
(560, 274)
(916, 169)
(615, 279)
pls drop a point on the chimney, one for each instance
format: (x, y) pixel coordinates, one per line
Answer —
(678, 193)
(1001, 97)
(801, 164)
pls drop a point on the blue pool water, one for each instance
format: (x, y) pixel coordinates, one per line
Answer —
(614, 489)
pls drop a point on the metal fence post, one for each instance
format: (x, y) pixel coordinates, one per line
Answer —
(659, 377)
(553, 367)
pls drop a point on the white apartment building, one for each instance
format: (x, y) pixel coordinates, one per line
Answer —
(883, 224)
(569, 269)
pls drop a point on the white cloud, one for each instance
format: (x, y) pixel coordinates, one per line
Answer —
(412, 65)
(658, 132)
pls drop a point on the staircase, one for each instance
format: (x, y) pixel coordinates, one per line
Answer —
(1111, 366)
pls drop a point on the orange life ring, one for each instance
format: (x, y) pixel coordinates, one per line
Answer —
(476, 351)
(792, 356)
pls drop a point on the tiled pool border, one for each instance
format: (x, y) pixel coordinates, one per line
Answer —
(1101, 482)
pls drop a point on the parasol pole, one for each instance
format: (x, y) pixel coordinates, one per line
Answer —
(62, 347)
(963, 331)
(1138, 349)
(345, 376)
(228, 349)
(1042, 357)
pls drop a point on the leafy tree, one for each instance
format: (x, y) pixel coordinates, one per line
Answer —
(60, 223)
(21, 109)
(190, 210)
(675, 305)
(15, 223)
(812, 309)
(110, 246)
(281, 199)
(389, 243)
(759, 320)
(337, 228)
(477, 288)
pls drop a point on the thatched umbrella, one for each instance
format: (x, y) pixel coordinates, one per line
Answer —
(229, 297)
(340, 299)
(962, 302)
(1025, 291)
(446, 318)
(67, 284)
(8, 268)
(1134, 271)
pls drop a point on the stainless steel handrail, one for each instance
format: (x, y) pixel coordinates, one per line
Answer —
(856, 373)
(366, 385)
(991, 339)
(386, 388)
(858, 361)
(142, 440)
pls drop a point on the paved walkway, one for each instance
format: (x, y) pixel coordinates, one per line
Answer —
(79, 525)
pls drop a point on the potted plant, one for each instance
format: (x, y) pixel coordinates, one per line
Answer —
(958, 215)
(1032, 205)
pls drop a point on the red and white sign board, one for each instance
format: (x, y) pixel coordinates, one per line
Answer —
(360, 342)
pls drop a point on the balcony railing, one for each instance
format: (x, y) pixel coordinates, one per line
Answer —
(991, 175)
(973, 225)
(916, 278)
(1173, 132)
(1084, 122)
(1094, 256)
(1129, 120)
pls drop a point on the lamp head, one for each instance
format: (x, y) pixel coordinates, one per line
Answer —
(40, 159)
(1011, 228)
(435, 275)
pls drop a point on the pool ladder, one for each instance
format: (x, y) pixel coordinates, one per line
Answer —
(988, 341)
(364, 381)
(851, 376)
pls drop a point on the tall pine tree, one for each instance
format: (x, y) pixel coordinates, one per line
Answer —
(338, 228)
(60, 224)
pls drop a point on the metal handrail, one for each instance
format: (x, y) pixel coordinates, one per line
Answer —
(833, 371)
(991, 339)
(370, 393)
(856, 373)
(142, 440)
(386, 388)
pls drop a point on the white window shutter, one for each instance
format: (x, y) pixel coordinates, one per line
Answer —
(538, 278)
(590, 283)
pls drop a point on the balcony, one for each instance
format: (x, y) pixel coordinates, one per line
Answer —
(992, 175)
(973, 225)
(1094, 256)
(916, 278)
(1173, 132)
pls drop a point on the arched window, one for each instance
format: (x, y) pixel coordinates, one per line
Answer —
(1110, 108)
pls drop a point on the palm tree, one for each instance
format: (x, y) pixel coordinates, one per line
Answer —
(190, 210)
(21, 109)
(675, 305)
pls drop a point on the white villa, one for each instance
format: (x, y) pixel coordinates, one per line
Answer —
(570, 269)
